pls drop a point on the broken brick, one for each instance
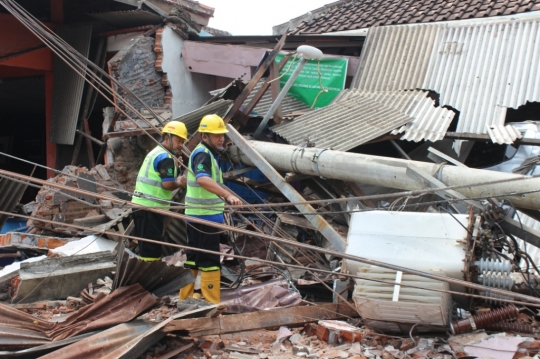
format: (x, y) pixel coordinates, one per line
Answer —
(310, 329)
(407, 344)
(211, 345)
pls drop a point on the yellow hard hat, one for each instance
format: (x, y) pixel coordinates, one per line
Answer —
(176, 128)
(212, 124)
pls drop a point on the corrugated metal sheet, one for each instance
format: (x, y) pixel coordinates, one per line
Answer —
(68, 87)
(395, 57)
(11, 195)
(120, 339)
(480, 70)
(357, 117)
(152, 276)
(193, 118)
(129, 18)
(430, 122)
(35, 351)
(343, 125)
(22, 330)
(288, 105)
(503, 134)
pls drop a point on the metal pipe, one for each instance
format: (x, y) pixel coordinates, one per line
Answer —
(367, 261)
(391, 172)
(280, 98)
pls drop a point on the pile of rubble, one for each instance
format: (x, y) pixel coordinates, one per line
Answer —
(338, 251)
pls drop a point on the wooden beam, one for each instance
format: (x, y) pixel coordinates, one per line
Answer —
(255, 79)
(483, 137)
(255, 100)
(91, 138)
(89, 144)
(77, 147)
(264, 319)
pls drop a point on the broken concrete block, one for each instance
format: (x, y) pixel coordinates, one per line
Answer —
(11, 271)
(283, 333)
(58, 278)
(86, 245)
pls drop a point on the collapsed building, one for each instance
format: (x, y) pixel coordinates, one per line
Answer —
(406, 195)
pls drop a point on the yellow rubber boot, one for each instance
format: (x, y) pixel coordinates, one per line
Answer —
(210, 286)
(188, 290)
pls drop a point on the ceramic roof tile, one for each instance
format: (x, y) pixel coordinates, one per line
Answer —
(357, 14)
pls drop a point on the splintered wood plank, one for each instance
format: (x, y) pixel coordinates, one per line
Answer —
(264, 319)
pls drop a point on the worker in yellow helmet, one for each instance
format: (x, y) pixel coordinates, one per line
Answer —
(204, 200)
(157, 179)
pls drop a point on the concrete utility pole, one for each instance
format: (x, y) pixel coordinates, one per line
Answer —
(391, 172)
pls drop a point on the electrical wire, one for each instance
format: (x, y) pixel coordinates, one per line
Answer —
(178, 205)
(184, 247)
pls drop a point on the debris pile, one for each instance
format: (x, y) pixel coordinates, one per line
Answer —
(366, 229)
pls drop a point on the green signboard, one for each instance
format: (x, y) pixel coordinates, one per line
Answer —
(318, 83)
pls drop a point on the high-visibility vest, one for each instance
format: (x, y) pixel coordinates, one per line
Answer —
(196, 195)
(149, 181)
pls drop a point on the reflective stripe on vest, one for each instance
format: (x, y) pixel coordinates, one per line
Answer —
(149, 182)
(196, 195)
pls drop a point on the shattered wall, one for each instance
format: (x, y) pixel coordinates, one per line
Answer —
(134, 68)
(54, 205)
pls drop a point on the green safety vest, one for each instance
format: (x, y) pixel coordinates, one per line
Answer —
(197, 196)
(149, 181)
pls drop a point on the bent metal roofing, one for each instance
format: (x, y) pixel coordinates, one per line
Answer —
(359, 14)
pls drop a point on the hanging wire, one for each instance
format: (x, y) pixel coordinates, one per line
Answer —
(278, 264)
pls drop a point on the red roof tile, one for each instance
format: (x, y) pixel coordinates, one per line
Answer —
(357, 14)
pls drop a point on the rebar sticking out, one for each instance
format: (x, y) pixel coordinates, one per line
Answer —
(480, 321)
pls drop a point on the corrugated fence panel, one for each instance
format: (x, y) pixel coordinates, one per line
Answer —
(479, 70)
(68, 87)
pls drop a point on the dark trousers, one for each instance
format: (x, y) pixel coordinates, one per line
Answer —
(148, 225)
(204, 237)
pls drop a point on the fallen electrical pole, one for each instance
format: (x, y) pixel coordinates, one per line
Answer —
(392, 172)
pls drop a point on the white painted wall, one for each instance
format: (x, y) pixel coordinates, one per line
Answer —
(189, 90)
